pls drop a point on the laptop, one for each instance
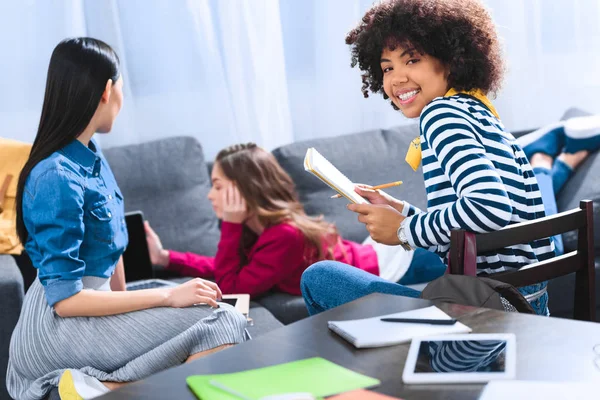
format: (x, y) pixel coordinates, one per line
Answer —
(139, 273)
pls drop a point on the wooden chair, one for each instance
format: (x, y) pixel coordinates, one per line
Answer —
(464, 247)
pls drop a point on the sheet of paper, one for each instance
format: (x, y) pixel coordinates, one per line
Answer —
(319, 166)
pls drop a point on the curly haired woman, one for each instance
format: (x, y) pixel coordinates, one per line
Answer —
(436, 60)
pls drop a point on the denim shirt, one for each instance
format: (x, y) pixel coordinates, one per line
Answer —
(74, 215)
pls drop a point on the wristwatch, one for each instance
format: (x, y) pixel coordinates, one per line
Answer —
(402, 238)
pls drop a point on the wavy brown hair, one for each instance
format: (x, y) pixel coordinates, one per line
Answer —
(270, 193)
(459, 33)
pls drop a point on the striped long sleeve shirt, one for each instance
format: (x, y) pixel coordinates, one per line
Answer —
(477, 178)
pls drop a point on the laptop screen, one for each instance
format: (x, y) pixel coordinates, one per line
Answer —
(136, 258)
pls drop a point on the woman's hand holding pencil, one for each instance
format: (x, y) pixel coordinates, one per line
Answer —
(376, 196)
(384, 186)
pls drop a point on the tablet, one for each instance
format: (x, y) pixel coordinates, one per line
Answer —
(240, 301)
(465, 358)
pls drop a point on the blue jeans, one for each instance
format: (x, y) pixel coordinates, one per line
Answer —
(318, 281)
(424, 267)
(328, 284)
(551, 183)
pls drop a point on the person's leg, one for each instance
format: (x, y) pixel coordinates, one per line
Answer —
(74, 385)
(551, 177)
(207, 352)
(424, 267)
(542, 168)
(563, 168)
(328, 284)
(393, 261)
(548, 140)
(406, 267)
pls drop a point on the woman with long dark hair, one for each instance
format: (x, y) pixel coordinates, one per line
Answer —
(79, 328)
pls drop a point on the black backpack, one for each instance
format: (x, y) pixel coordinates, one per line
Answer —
(477, 292)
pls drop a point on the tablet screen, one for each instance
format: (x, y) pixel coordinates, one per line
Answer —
(461, 356)
(231, 302)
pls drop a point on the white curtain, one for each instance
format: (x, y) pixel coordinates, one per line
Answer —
(553, 53)
(210, 69)
(274, 71)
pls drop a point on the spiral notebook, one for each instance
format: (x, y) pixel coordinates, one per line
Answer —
(320, 167)
(372, 332)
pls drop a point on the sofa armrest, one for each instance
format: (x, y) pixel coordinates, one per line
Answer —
(11, 300)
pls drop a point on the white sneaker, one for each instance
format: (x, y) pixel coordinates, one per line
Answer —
(75, 385)
(582, 133)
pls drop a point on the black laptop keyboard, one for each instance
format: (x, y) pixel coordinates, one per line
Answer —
(145, 285)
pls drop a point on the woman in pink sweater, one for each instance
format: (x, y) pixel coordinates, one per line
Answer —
(267, 240)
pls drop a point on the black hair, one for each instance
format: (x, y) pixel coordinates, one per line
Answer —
(77, 75)
(459, 33)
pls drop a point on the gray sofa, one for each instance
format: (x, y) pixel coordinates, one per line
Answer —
(169, 180)
(172, 194)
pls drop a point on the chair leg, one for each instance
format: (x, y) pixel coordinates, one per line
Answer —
(585, 299)
(457, 252)
(585, 277)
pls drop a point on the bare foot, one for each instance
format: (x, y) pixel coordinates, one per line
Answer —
(541, 160)
(114, 385)
(573, 160)
(207, 352)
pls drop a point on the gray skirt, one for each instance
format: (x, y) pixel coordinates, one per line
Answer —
(117, 348)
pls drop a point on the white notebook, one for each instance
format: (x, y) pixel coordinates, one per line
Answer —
(372, 332)
(320, 167)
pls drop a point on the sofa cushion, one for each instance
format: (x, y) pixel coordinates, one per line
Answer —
(263, 321)
(583, 185)
(372, 157)
(285, 307)
(168, 181)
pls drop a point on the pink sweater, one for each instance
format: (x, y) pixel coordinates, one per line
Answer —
(275, 262)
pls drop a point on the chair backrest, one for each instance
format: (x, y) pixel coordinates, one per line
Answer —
(465, 245)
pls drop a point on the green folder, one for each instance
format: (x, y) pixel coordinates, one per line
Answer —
(313, 375)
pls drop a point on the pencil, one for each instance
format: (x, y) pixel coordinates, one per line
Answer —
(384, 186)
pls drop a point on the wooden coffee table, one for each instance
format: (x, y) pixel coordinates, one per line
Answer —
(550, 349)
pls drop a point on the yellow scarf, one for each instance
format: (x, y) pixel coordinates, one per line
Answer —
(413, 156)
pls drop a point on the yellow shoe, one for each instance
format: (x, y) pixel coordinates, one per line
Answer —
(75, 385)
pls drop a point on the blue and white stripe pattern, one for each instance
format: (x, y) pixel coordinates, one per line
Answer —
(477, 178)
(467, 355)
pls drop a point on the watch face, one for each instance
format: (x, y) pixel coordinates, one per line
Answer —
(401, 235)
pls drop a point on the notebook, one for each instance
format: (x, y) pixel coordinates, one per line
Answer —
(320, 167)
(313, 375)
(372, 332)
